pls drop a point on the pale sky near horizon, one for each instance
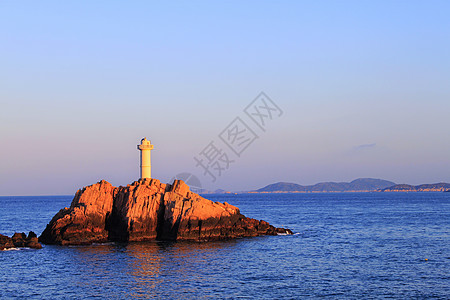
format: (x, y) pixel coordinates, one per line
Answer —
(363, 86)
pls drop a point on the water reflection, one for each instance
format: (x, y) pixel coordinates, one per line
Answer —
(158, 266)
(96, 269)
(144, 270)
(369, 247)
(144, 267)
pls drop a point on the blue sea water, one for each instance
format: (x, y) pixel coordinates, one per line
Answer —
(346, 246)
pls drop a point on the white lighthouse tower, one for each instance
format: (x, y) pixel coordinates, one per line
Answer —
(146, 168)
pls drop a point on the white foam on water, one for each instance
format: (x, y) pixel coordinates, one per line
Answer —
(11, 249)
(288, 233)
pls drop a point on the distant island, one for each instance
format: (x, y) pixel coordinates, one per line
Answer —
(436, 187)
(357, 185)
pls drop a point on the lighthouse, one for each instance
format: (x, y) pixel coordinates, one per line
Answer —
(146, 168)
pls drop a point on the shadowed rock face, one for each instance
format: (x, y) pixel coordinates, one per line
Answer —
(148, 210)
(20, 240)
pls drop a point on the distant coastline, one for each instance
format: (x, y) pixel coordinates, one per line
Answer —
(309, 192)
(360, 185)
(435, 187)
(357, 185)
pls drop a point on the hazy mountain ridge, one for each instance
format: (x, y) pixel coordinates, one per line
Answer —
(360, 184)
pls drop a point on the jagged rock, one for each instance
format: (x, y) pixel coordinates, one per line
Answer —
(84, 221)
(5, 242)
(20, 240)
(32, 241)
(148, 210)
(136, 211)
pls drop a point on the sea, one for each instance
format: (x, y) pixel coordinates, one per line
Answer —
(345, 246)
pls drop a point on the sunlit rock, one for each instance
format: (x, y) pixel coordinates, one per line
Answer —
(147, 210)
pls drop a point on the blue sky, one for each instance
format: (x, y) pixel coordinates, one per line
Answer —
(363, 87)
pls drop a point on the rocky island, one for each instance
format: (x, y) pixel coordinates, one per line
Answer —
(20, 240)
(147, 210)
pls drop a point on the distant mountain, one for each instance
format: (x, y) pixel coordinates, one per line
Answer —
(435, 187)
(358, 185)
(282, 186)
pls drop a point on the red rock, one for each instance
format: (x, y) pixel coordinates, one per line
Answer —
(20, 240)
(84, 221)
(136, 211)
(32, 241)
(5, 242)
(148, 210)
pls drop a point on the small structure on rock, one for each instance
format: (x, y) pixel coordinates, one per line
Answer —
(146, 167)
(147, 210)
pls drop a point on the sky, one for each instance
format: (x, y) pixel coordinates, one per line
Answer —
(362, 90)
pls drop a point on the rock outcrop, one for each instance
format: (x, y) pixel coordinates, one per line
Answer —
(19, 240)
(148, 210)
